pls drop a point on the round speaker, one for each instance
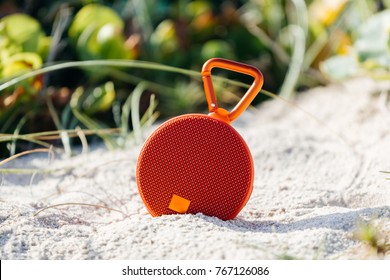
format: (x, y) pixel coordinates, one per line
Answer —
(199, 159)
(198, 163)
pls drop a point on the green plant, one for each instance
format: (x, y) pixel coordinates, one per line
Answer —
(96, 32)
(288, 40)
(369, 54)
(23, 47)
(84, 105)
(371, 234)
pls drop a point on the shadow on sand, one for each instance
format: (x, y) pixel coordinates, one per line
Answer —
(336, 221)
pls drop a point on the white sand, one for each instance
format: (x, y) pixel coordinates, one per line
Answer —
(311, 190)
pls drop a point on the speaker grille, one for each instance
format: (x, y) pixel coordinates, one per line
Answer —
(199, 158)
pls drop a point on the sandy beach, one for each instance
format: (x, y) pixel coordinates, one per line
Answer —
(315, 183)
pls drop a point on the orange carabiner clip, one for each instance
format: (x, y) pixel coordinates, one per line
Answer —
(222, 63)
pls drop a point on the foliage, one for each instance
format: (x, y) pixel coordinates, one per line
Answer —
(374, 236)
(23, 46)
(97, 33)
(368, 55)
(296, 43)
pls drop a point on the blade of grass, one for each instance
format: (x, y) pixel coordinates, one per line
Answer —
(150, 115)
(83, 140)
(26, 171)
(294, 70)
(302, 15)
(125, 116)
(135, 116)
(385, 172)
(93, 63)
(52, 135)
(35, 141)
(128, 78)
(41, 150)
(19, 126)
(63, 135)
(79, 204)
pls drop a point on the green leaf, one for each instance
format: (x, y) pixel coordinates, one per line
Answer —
(23, 30)
(340, 67)
(164, 38)
(20, 62)
(111, 43)
(100, 99)
(98, 34)
(386, 3)
(217, 48)
(374, 39)
(44, 46)
(93, 14)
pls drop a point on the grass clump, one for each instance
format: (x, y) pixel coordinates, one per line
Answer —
(374, 236)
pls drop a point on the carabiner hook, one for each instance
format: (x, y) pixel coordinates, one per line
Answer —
(248, 97)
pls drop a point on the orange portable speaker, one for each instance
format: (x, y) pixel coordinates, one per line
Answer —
(198, 163)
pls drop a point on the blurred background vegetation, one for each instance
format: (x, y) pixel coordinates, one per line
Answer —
(297, 44)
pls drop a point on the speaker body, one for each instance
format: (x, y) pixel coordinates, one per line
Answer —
(199, 163)
(195, 164)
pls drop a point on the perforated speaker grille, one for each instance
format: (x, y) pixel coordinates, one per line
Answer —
(200, 159)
